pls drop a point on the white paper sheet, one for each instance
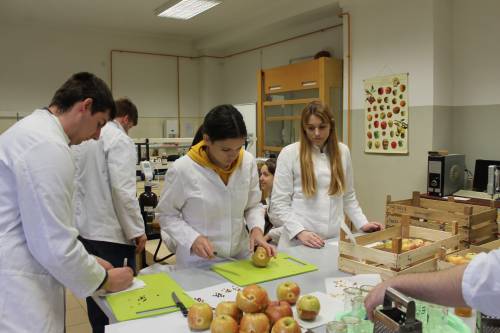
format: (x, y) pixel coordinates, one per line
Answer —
(215, 294)
(136, 284)
(334, 286)
(172, 322)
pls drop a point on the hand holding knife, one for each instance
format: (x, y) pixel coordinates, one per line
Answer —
(179, 304)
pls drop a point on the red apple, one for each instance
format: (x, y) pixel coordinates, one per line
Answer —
(394, 144)
(308, 307)
(228, 308)
(252, 298)
(383, 125)
(388, 90)
(380, 91)
(278, 309)
(200, 316)
(286, 325)
(402, 103)
(224, 324)
(254, 323)
(369, 134)
(376, 123)
(396, 109)
(402, 87)
(288, 291)
(260, 258)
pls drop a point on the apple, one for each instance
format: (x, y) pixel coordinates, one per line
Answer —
(277, 310)
(286, 325)
(380, 91)
(396, 109)
(402, 87)
(260, 258)
(389, 114)
(388, 90)
(402, 103)
(369, 117)
(228, 308)
(377, 144)
(252, 298)
(369, 134)
(200, 316)
(376, 123)
(288, 291)
(394, 144)
(254, 323)
(470, 255)
(383, 124)
(224, 324)
(308, 307)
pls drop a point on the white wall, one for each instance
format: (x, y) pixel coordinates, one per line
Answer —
(35, 61)
(476, 52)
(392, 36)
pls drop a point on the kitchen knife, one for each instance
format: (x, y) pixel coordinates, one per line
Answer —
(179, 304)
(224, 257)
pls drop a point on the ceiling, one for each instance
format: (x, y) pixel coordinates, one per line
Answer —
(228, 22)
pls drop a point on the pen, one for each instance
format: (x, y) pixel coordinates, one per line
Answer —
(125, 262)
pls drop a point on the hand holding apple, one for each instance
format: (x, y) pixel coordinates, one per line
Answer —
(260, 258)
(200, 316)
(288, 291)
(308, 307)
(286, 325)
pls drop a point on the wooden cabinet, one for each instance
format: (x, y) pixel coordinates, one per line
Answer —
(283, 93)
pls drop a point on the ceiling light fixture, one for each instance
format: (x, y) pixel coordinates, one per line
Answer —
(185, 9)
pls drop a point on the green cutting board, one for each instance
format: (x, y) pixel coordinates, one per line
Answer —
(243, 272)
(154, 299)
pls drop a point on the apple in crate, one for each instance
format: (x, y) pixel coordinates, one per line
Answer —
(224, 324)
(200, 316)
(286, 325)
(252, 298)
(308, 307)
(288, 291)
(277, 310)
(254, 323)
(228, 308)
(260, 258)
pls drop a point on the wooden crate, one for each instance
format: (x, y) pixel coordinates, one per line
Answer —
(477, 224)
(363, 258)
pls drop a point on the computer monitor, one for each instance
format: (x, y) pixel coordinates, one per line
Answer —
(481, 174)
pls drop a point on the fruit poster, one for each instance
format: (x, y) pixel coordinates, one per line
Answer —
(386, 114)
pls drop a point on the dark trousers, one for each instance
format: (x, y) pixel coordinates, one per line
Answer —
(114, 253)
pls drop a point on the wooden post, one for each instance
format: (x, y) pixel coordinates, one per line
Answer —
(405, 226)
(342, 235)
(468, 210)
(397, 244)
(415, 199)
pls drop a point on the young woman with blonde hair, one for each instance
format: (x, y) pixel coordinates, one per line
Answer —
(313, 184)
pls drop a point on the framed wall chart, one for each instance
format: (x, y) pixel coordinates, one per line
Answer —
(386, 114)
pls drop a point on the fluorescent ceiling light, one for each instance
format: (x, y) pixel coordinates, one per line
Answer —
(185, 9)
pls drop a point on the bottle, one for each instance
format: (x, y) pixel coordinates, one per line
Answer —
(148, 201)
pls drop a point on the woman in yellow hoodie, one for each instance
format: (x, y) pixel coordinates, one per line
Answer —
(211, 200)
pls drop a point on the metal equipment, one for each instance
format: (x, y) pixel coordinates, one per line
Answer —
(391, 319)
(445, 174)
(487, 324)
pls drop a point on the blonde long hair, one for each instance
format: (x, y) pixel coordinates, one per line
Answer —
(337, 182)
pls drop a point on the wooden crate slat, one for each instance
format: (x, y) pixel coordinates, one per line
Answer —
(428, 234)
(490, 216)
(425, 213)
(365, 253)
(410, 257)
(378, 236)
(448, 206)
(491, 245)
(356, 267)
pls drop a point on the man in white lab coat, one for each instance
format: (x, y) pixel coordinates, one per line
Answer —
(39, 250)
(107, 212)
(475, 285)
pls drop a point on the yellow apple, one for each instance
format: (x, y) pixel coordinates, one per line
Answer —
(200, 316)
(260, 258)
(224, 324)
(308, 307)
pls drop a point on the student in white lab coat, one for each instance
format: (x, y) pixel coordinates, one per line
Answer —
(39, 250)
(266, 179)
(212, 194)
(475, 285)
(313, 184)
(107, 212)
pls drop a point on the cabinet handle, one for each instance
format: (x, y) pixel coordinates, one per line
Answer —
(309, 83)
(273, 88)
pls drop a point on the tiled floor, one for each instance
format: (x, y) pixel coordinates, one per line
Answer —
(76, 309)
(76, 315)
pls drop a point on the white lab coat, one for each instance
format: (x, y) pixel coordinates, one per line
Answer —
(39, 252)
(195, 201)
(481, 283)
(322, 213)
(106, 206)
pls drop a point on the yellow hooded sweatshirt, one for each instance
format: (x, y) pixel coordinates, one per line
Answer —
(199, 154)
